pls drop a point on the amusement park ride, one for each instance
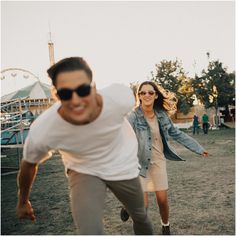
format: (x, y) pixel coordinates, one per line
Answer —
(18, 114)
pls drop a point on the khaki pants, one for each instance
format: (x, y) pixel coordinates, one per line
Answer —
(88, 198)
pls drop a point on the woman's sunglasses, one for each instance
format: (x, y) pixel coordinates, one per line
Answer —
(66, 94)
(143, 93)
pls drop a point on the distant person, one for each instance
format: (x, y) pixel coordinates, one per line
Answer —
(97, 145)
(233, 113)
(205, 123)
(195, 124)
(153, 126)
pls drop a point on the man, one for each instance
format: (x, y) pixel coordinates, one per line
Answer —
(97, 144)
(195, 124)
(205, 124)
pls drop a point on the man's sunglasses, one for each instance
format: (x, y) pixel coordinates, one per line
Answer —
(143, 93)
(66, 94)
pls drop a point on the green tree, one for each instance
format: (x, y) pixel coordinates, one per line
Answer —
(171, 76)
(215, 87)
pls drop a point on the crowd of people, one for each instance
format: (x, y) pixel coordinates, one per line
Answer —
(107, 139)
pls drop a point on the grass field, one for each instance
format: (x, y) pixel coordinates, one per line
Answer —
(201, 195)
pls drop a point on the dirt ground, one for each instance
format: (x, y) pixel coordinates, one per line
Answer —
(201, 195)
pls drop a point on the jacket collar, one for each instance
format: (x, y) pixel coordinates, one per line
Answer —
(139, 111)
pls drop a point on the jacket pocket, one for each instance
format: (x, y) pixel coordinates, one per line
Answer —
(140, 126)
(166, 125)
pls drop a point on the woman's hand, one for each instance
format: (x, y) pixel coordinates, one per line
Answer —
(205, 154)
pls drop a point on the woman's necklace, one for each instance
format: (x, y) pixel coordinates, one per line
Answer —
(150, 116)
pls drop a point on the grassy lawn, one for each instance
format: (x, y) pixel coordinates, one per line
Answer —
(201, 195)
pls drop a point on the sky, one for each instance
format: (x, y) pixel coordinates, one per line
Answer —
(121, 41)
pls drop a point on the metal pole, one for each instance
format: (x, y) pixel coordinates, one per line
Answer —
(21, 129)
(217, 118)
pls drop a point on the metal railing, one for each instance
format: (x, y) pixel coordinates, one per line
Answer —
(16, 117)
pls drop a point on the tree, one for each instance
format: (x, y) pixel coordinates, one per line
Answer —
(171, 76)
(215, 87)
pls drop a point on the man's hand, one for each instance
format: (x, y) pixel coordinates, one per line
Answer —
(25, 180)
(205, 154)
(25, 211)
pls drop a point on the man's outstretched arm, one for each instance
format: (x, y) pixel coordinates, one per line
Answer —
(25, 181)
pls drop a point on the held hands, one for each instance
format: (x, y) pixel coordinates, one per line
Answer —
(25, 211)
(205, 154)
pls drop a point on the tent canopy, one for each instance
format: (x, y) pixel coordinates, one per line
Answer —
(37, 90)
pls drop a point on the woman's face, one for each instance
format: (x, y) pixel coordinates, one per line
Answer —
(147, 95)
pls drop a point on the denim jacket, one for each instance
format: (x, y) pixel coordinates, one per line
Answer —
(143, 134)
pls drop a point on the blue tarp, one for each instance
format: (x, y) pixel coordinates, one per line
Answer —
(11, 137)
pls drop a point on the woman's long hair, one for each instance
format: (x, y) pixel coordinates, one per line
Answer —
(166, 100)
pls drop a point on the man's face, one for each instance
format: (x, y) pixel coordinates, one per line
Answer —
(78, 109)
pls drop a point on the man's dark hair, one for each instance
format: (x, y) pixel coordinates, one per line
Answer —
(69, 64)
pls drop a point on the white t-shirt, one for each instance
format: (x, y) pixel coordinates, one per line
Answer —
(106, 147)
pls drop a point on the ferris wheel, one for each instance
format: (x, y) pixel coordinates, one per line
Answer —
(13, 79)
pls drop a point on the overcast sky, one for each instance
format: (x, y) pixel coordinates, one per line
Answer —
(121, 41)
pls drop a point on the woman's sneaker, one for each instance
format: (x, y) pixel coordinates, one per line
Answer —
(165, 230)
(124, 215)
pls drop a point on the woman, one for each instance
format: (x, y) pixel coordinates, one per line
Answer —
(152, 125)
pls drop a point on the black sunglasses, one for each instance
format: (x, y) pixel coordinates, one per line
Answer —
(143, 93)
(66, 94)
